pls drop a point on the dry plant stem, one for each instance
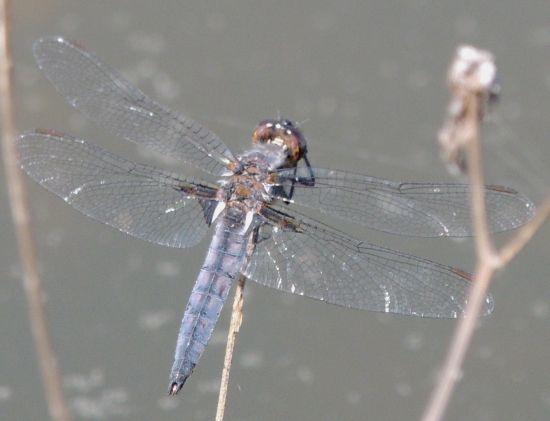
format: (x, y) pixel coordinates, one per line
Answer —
(513, 247)
(451, 371)
(463, 335)
(461, 340)
(19, 208)
(488, 261)
(484, 248)
(235, 325)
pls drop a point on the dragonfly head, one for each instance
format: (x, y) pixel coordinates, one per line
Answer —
(282, 133)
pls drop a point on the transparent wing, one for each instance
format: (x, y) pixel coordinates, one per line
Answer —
(304, 257)
(137, 199)
(414, 209)
(106, 98)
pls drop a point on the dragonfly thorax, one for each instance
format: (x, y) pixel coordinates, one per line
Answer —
(250, 190)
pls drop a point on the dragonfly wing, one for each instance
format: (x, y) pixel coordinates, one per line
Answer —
(137, 199)
(302, 256)
(105, 97)
(413, 209)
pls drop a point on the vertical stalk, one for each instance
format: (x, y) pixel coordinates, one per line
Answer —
(21, 219)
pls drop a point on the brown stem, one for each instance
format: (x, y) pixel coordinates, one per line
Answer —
(467, 131)
(235, 325)
(524, 235)
(21, 219)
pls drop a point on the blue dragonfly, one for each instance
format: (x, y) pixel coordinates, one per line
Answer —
(256, 204)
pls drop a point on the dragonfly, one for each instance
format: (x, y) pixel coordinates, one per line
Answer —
(256, 203)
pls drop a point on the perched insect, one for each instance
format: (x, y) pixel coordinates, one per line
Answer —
(256, 204)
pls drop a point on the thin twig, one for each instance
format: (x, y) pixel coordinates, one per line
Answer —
(21, 218)
(477, 179)
(451, 371)
(523, 236)
(466, 124)
(235, 325)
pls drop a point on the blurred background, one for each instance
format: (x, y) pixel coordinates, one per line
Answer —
(367, 79)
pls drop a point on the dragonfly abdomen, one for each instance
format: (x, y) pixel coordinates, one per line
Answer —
(222, 264)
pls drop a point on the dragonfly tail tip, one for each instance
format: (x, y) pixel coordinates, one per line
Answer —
(175, 387)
